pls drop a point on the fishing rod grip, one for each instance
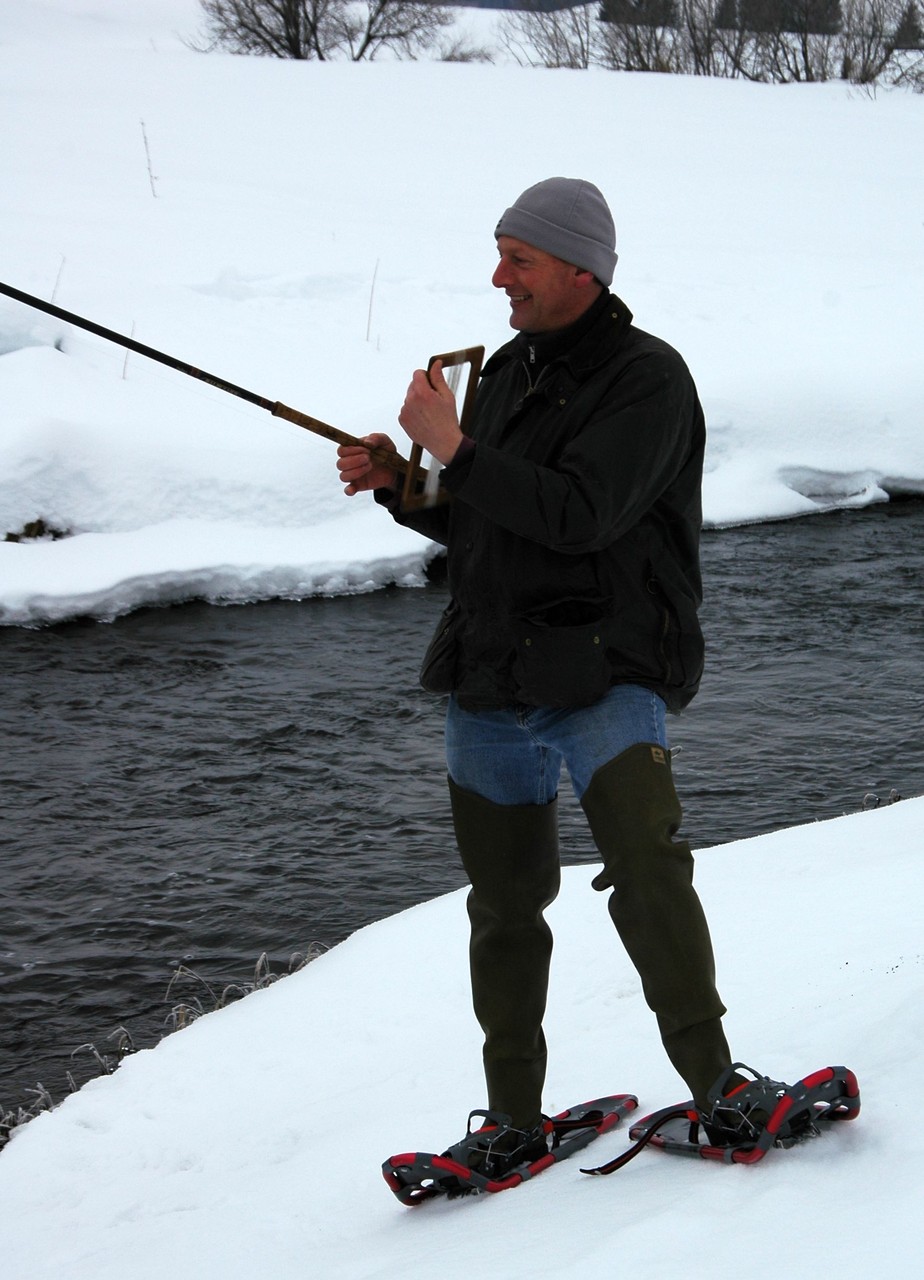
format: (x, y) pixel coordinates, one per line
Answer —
(387, 457)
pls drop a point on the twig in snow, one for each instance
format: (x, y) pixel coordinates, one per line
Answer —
(147, 152)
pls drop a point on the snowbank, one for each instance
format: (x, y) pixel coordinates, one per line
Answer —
(313, 232)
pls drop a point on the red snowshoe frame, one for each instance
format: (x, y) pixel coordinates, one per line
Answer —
(419, 1175)
(800, 1111)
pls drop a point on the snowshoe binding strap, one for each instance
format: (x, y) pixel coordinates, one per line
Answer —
(643, 1133)
(746, 1117)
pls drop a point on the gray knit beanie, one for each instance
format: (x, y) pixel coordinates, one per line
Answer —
(568, 218)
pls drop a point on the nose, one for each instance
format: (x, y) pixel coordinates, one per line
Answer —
(501, 276)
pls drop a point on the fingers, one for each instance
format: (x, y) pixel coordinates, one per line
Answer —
(353, 465)
(429, 414)
(359, 471)
(428, 401)
(436, 379)
(378, 440)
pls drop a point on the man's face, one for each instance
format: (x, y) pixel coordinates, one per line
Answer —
(545, 293)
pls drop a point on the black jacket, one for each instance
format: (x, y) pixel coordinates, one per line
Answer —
(573, 533)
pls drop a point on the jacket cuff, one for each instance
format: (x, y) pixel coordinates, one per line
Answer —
(388, 498)
(455, 472)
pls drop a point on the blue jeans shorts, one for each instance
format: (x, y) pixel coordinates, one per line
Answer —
(515, 755)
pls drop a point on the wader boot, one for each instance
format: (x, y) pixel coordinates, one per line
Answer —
(510, 853)
(634, 813)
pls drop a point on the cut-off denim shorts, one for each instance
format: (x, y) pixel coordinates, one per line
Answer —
(515, 755)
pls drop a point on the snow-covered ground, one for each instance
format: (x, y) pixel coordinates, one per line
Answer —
(249, 1144)
(314, 232)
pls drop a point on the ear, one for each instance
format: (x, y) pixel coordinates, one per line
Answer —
(584, 279)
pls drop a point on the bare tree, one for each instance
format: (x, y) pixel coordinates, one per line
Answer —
(642, 35)
(279, 28)
(458, 49)
(882, 42)
(401, 25)
(862, 41)
(565, 38)
(806, 49)
(711, 48)
(780, 40)
(319, 30)
(866, 49)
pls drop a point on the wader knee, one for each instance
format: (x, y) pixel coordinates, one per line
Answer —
(634, 814)
(510, 853)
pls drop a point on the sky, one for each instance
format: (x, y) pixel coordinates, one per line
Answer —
(314, 233)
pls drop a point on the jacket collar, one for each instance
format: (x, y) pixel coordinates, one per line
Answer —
(581, 347)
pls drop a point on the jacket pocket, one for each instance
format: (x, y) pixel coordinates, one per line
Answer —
(562, 666)
(438, 669)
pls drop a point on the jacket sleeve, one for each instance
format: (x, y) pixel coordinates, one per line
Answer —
(429, 522)
(639, 434)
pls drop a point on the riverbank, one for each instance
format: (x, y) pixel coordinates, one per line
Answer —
(250, 1143)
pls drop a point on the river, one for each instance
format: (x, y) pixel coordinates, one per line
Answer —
(197, 786)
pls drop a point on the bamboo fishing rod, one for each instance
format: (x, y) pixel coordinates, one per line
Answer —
(385, 456)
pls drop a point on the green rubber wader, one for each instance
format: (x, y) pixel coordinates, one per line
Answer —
(510, 854)
(634, 814)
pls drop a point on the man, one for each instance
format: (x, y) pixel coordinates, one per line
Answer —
(573, 568)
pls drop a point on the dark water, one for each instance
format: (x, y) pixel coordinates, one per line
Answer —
(200, 785)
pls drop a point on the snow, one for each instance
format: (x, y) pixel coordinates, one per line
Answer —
(313, 233)
(249, 1144)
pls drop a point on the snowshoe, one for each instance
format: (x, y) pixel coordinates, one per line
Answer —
(494, 1156)
(744, 1123)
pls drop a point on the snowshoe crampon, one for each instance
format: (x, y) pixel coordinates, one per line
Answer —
(495, 1157)
(744, 1123)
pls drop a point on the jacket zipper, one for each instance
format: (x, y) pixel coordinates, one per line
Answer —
(531, 385)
